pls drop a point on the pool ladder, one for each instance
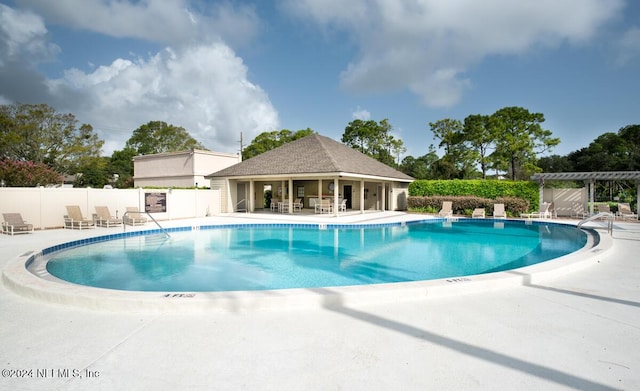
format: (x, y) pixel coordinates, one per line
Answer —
(151, 217)
(600, 215)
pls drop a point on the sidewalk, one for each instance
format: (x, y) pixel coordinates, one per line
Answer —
(579, 331)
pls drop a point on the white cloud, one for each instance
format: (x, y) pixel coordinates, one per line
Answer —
(203, 89)
(202, 86)
(173, 22)
(361, 114)
(426, 46)
(22, 34)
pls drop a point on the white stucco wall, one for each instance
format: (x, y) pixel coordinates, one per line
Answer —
(180, 169)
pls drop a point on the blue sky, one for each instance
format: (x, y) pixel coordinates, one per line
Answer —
(218, 68)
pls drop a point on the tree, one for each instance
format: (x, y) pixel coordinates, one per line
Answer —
(605, 153)
(481, 133)
(158, 137)
(15, 173)
(267, 141)
(521, 139)
(555, 163)
(631, 136)
(120, 167)
(610, 152)
(448, 131)
(38, 134)
(421, 167)
(93, 173)
(397, 148)
(374, 139)
(458, 160)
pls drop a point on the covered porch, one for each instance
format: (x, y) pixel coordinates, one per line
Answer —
(310, 172)
(329, 195)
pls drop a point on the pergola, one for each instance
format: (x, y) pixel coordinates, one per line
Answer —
(589, 178)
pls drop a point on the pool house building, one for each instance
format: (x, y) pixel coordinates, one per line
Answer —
(308, 172)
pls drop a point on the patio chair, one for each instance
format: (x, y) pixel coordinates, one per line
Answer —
(603, 208)
(283, 206)
(625, 212)
(478, 213)
(134, 217)
(578, 210)
(446, 210)
(274, 204)
(104, 217)
(324, 206)
(343, 206)
(75, 220)
(499, 212)
(14, 224)
(544, 212)
(297, 205)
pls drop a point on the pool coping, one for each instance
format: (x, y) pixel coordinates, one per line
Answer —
(17, 278)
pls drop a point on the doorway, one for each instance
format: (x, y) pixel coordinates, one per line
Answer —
(347, 193)
(266, 196)
(241, 193)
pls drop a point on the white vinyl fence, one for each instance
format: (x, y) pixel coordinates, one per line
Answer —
(45, 207)
(567, 202)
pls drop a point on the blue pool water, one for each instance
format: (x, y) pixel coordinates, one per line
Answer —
(270, 257)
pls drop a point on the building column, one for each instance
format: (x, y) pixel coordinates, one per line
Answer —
(319, 190)
(252, 197)
(384, 196)
(540, 194)
(336, 194)
(361, 196)
(290, 196)
(591, 196)
(638, 200)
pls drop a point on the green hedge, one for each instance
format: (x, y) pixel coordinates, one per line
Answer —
(463, 205)
(486, 189)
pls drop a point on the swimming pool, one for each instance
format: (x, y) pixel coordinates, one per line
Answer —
(269, 257)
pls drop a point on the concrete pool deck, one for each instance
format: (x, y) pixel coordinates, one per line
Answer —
(578, 330)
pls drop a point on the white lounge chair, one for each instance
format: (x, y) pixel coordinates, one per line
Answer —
(75, 220)
(578, 210)
(297, 205)
(625, 212)
(14, 224)
(134, 217)
(447, 209)
(478, 213)
(105, 219)
(544, 212)
(499, 212)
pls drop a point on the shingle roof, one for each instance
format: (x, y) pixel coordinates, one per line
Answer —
(312, 154)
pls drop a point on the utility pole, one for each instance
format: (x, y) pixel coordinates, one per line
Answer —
(241, 146)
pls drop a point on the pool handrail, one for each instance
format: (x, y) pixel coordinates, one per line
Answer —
(600, 215)
(124, 226)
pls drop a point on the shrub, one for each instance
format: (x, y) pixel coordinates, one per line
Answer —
(463, 204)
(485, 189)
(27, 174)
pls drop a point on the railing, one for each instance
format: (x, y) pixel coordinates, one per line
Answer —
(241, 202)
(600, 215)
(124, 225)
